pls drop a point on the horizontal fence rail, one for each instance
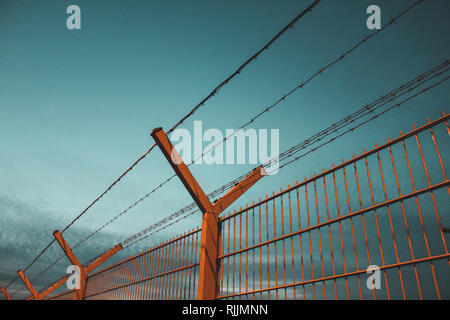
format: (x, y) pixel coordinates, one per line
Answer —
(66, 295)
(372, 227)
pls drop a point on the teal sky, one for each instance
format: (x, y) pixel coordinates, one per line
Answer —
(77, 106)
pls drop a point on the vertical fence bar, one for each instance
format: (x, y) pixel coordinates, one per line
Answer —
(310, 240)
(228, 258)
(366, 242)
(329, 233)
(340, 232)
(267, 237)
(246, 252)
(275, 246)
(292, 243)
(390, 224)
(253, 251)
(283, 244)
(234, 245)
(260, 250)
(240, 247)
(196, 246)
(353, 232)
(376, 224)
(320, 237)
(300, 239)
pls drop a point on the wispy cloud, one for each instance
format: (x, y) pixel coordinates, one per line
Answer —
(26, 229)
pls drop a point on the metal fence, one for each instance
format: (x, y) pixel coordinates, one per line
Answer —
(66, 295)
(167, 271)
(315, 240)
(386, 208)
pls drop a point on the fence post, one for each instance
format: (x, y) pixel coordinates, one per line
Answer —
(6, 294)
(28, 284)
(208, 279)
(84, 271)
(78, 293)
(209, 245)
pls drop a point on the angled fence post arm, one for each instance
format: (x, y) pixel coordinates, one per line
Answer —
(182, 171)
(6, 294)
(208, 284)
(78, 293)
(108, 254)
(53, 287)
(28, 284)
(67, 250)
(226, 200)
(84, 271)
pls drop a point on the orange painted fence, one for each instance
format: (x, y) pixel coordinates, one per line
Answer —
(388, 207)
(167, 271)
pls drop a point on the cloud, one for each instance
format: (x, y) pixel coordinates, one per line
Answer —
(26, 229)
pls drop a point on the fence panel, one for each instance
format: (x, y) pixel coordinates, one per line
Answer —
(317, 239)
(167, 271)
(66, 295)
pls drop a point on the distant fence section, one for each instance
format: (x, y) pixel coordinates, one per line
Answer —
(372, 227)
(167, 271)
